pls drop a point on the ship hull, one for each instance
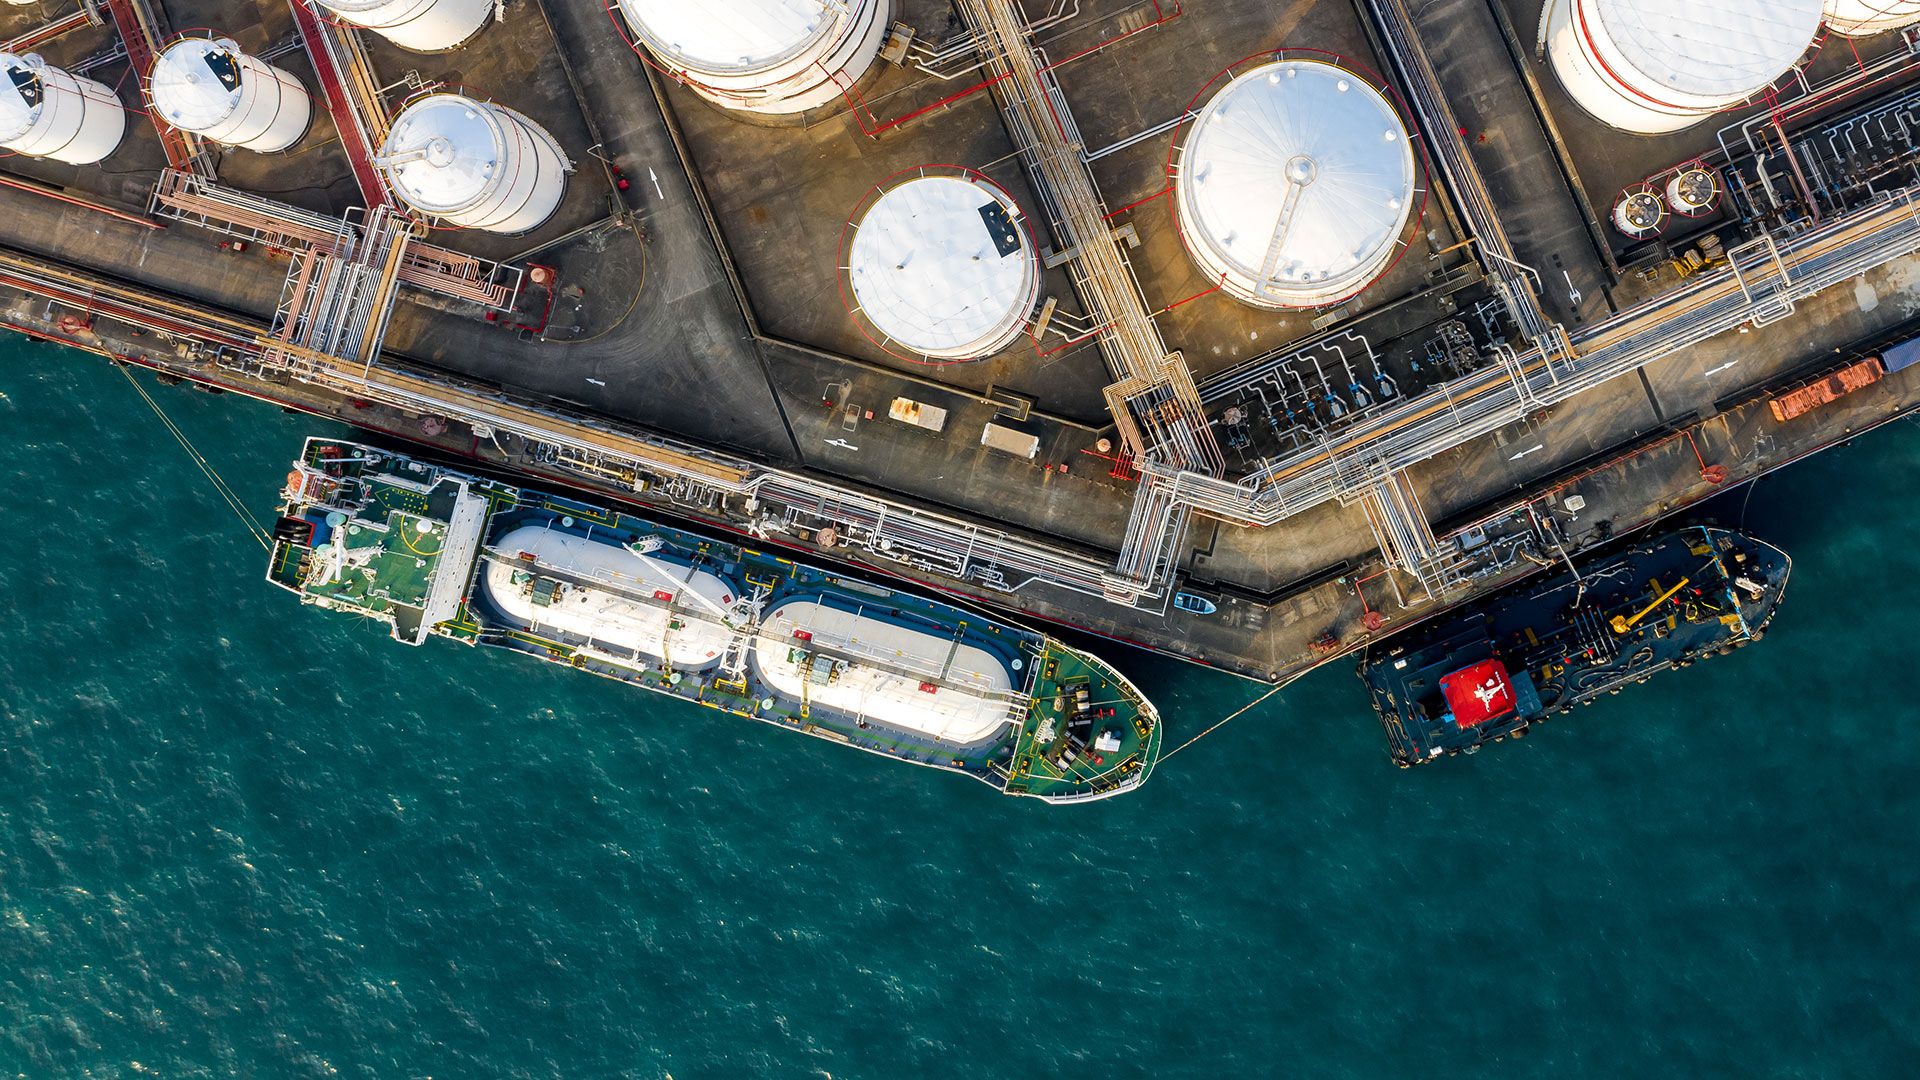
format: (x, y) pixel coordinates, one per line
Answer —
(1491, 672)
(437, 553)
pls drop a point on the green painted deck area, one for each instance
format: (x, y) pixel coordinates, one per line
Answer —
(1075, 695)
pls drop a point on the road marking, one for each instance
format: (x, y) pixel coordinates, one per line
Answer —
(842, 443)
(656, 184)
(596, 382)
(1718, 370)
(1528, 450)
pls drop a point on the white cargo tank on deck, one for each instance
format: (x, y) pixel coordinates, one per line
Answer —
(766, 56)
(969, 703)
(1859, 18)
(209, 87)
(619, 625)
(943, 265)
(45, 112)
(474, 164)
(1655, 66)
(1293, 185)
(420, 25)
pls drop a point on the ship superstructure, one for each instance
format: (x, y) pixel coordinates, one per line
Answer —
(1493, 671)
(434, 552)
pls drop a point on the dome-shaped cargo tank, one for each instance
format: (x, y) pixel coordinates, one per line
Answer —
(941, 264)
(1655, 66)
(209, 87)
(45, 112)
(1293, 185)
(764, 56)
(1859, 18)
(970, 709)
(420, 25)
(474, 164)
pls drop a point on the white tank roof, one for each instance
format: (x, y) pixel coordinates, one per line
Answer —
(740, 35)
(17, 113)
(928, 273)
(1709, 48)
(1294, 184)
(442, 151)
(196, 82)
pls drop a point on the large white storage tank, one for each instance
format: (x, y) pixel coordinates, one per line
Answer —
(766, 56)
(211, 88)
(474, 164)
(1859, 18)
(1656, 66)
(1293, 185)
(942, 265)
(45, 112)
(420, 25)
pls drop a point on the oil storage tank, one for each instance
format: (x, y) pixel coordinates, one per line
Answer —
(45, 112)
(1655, 66)
(1859, 18)
(211, 88)
(474, 164)
(1293, 185)
(420, 25)
(762, 56)
(941, 265)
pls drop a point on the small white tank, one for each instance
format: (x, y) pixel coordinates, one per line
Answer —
(1691, 192)
(474, 164)
(1293, 185)
(1656, 66)
(1859, 18)
(1639, 214)
(211, 88)
(766, 56)
(942, 265)
(45, 112)
(420, 25)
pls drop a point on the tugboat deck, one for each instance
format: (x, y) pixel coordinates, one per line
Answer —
(1664, 602)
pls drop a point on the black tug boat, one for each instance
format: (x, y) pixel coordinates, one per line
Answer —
(1491, 672)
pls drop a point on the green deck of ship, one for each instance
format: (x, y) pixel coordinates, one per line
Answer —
(1038, 765)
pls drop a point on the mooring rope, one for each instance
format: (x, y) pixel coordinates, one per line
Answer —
(1229, 716)
(219, 485)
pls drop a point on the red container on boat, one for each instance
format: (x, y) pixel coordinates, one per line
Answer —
(1807, 398)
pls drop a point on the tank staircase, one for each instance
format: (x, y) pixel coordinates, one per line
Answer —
(352, 96)
(141, 33)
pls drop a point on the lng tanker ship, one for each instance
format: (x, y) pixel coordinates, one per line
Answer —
(433, 552)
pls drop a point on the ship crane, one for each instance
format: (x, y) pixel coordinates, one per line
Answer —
(643, 549)
(1622, 624)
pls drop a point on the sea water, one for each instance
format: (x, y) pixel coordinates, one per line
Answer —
(241, 837)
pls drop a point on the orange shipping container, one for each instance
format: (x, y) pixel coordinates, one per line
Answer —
(1815, 394)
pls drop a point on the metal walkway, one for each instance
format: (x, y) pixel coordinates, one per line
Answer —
(1156, 406)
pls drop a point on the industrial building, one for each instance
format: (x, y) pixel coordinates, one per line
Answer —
(1248, 331)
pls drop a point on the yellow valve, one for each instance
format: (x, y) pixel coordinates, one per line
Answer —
(1622, 624)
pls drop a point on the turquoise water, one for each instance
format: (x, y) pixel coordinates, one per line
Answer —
(243, 838)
